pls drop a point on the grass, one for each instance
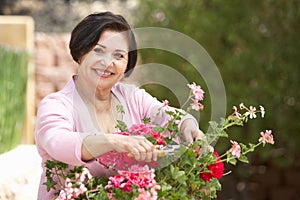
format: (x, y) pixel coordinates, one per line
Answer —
(13, 79)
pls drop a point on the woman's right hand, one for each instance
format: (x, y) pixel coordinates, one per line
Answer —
(138, 146)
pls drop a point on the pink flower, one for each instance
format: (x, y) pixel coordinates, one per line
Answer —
(115, 181)
(69, 192)
(147, 129)
(197, 96)
(236, 113)
(110, 196)
(143, 195)
(235, 149)
(266, 137)
(141, 129)
(77, 191)
(166, 103)
(197, 92)
(122, 133)
(196, 105)
(143, 177)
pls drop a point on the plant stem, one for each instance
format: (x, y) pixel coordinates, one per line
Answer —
(193, 167)
(243, 153)
(56, 173)
(90, 191)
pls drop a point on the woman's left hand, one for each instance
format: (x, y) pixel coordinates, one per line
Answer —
(191, 131)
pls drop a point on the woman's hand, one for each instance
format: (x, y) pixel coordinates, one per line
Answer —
(191, 131)
(137, 146)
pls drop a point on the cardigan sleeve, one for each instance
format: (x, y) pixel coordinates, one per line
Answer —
(148, 106)
(55, 132)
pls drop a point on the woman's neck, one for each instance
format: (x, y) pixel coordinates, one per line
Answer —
(99, 98)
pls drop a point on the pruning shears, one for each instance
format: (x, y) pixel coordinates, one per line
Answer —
(164, 150)
(167, 150)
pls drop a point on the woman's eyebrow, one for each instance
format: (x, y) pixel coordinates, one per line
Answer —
(119, 50)
(101, 45)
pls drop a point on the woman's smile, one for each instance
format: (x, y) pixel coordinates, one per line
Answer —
(103, 73)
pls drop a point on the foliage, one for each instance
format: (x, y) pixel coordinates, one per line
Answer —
(188, 171)
(254, 44)
(13, 79)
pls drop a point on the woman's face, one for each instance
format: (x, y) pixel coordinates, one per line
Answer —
(106, 63)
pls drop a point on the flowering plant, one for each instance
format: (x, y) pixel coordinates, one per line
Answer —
(189, 171)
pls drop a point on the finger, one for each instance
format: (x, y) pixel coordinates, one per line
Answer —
(146, 144)
(189, 137)
(155, 154)
(135, 153)
(149, 156)
(148, 149)
(147, 153)
(211, 148)
(198, 134)
(150, 145)
(143, 154)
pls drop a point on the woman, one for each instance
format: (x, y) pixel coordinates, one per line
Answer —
(75, 124)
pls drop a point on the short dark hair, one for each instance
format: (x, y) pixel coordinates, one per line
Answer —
(87, 33)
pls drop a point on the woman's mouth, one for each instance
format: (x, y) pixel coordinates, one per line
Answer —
(103, 74)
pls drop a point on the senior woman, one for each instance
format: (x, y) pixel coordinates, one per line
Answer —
(75, 124)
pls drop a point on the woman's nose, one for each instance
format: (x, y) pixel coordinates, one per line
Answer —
(107, 60)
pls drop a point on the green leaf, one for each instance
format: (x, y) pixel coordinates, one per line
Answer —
(165, 188)
(231, 160)
(243, 158)
(50, 184)
(244, 147)
(251, 147)
(121, 126)
(146, 120)
(178, 175)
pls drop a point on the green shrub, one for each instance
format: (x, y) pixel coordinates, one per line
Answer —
(256, 53)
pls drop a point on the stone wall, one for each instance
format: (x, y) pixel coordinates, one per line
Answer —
(53, 62)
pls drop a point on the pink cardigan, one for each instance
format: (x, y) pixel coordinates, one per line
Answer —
(63, 121)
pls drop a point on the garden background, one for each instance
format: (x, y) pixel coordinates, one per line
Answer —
(255, 45)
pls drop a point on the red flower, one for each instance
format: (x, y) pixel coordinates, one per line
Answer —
(217, 169)
(159, 139)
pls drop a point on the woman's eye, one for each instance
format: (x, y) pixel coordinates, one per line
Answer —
(98, 50)
(119, 56)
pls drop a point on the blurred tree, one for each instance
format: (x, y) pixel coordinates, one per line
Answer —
(255, 46)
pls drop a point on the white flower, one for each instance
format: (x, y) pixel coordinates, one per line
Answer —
(251, 112)
(242, 106)
(262, 111)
